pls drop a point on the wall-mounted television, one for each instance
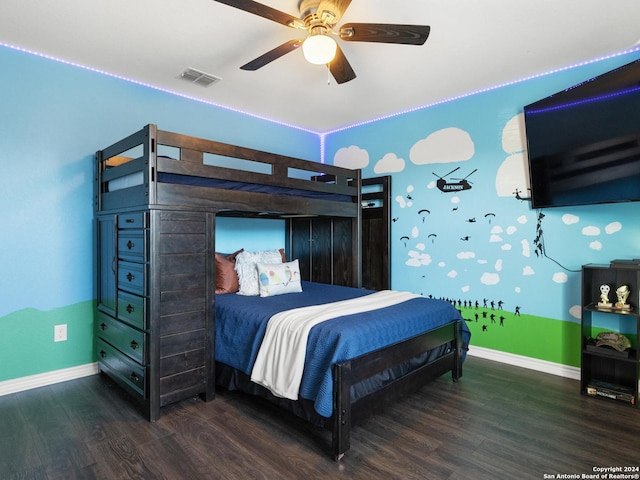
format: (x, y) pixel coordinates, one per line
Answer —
(584, 142)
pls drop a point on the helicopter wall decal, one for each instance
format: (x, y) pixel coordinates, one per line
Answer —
(447, 187)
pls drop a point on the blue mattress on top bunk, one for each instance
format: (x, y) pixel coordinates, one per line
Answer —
(241, 323)
(248, 187)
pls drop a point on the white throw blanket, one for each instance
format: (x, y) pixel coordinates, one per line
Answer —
(281, 357)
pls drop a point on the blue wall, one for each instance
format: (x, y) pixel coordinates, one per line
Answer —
(54, 117)
(482, 244)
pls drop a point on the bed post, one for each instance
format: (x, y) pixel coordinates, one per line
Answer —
(357, 235)
(150, 154)
(456, 371)
(341, 428)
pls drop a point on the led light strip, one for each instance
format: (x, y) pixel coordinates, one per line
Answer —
(483, 90)
(321, 135)
(154, 87)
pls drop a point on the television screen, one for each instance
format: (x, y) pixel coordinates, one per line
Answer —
(584, 142)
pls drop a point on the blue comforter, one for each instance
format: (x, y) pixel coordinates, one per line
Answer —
(241, 322)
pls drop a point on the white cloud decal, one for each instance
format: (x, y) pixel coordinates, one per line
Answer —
(401, 201)
(513, 135)
(490, 278)
(526, 248)
(512, 175)
(351, 157)
(417, 259)
(390, 163)
(444, 146)
(576, 311)
(591, 231)
(506, 246)
(613, 227)
(452, 274)
(560, 277)
(569, 219)
(522, 219)
(466, 255)
(596, 245)
(528, 271)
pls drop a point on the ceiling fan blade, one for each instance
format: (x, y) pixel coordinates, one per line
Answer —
(272, 55)
(331, 11)
(385, 33)
(264, 11)
(340, 68)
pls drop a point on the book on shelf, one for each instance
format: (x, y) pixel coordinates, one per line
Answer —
(620, 393)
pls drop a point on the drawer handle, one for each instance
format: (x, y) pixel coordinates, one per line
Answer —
(129, 220)
(130, 276)
(134, 377)
(130, 245)
(103, 326)
(129, 309)
(102, 354)
(134, 345)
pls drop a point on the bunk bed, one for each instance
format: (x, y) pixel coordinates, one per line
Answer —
(160, 322)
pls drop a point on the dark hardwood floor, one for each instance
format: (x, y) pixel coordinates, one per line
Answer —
(498, 422)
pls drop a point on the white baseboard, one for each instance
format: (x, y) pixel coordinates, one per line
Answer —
(48, 378)
(525, 362)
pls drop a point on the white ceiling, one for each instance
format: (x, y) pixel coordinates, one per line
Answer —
(473, 45)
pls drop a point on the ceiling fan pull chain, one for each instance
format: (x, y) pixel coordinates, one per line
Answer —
(328, 75)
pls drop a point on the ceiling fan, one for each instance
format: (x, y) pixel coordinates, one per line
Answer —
(318, 18)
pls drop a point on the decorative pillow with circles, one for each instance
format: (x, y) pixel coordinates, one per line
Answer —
(248, 272)
(279, 278)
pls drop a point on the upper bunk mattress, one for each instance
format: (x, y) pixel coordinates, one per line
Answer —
(137, 179)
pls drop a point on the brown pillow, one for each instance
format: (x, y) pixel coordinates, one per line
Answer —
(226, 276)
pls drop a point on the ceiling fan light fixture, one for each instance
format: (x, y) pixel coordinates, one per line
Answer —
(319, 48)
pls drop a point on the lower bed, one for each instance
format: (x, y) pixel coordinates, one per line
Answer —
(349, 359)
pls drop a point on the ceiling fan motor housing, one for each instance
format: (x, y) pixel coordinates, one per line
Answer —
(308, 7)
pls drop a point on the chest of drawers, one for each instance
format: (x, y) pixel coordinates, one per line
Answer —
(154, 319)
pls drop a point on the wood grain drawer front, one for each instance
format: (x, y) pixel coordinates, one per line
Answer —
(131, 277)
(132, 220)
(123, 368)
(127, 339)
(132, 310)
(131, 245)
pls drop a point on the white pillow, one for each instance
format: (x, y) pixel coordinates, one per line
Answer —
(279, 278)
(248, 272)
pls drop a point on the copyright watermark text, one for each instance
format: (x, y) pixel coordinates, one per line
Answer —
(599, 473)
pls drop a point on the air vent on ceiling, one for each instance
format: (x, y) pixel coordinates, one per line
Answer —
(201, 78)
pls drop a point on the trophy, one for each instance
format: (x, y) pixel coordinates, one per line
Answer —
(604, 297)
(622, 293)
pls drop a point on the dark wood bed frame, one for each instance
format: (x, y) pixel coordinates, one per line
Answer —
(176, 208)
